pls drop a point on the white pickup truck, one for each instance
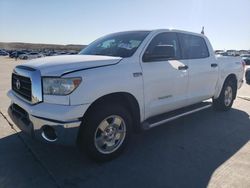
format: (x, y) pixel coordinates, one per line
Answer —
(121, 83)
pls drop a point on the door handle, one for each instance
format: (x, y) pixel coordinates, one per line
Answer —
(185, 67)
(214, 65)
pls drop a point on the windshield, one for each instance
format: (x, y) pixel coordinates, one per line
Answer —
(119, 44)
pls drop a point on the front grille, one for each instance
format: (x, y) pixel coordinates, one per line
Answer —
(22, 86)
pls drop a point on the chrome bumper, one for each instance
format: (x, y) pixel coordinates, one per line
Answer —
(66, 132)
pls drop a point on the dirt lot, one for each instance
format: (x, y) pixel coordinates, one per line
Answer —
(205, 149)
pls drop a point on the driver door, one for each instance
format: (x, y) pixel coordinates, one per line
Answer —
(165, 76)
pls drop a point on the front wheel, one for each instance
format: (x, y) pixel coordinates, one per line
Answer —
(105, 132)
(227, 96)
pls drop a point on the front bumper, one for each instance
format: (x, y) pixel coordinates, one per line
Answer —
(31, 119)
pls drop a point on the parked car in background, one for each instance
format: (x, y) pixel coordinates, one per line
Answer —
(222, 53)
(219, 51)
(241, 52)
(31, 55)
(48, 53)
(247, 75)
(246, 58)
(231, 52)
(62, 53)
(72, 52)
(3, 53)
(16, 54)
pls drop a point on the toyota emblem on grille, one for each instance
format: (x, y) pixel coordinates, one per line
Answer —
(18, 84)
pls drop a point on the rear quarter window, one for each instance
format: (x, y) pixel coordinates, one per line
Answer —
(193, 47)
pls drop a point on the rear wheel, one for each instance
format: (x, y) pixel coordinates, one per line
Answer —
(105, 132)
(227, 96)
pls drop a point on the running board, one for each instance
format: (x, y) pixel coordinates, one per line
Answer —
(169, 116)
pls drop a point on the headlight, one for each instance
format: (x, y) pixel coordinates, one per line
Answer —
(60, 86)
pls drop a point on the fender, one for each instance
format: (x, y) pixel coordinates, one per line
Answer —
(220, 84)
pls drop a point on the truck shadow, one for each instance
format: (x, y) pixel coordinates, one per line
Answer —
(183, 153)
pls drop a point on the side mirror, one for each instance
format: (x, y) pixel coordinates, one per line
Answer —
(160, 53)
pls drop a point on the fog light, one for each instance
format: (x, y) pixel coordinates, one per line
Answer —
(49, 133)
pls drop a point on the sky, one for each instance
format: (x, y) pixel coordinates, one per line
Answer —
(226, 22)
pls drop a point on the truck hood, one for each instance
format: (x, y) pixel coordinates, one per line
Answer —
(59, 65)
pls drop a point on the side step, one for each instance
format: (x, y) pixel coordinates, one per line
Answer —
(169, 116)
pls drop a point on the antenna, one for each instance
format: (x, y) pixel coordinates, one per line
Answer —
(202, 31)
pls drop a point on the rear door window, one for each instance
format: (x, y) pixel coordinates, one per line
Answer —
(193, 47)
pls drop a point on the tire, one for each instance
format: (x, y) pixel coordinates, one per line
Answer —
(227, 96)
(98, 133)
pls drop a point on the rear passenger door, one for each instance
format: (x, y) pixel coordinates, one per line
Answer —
(202, 72)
